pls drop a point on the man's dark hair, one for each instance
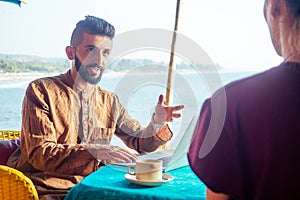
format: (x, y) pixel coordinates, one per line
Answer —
(294, 6)
(91, 25)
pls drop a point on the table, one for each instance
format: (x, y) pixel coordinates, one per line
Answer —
(109, 183)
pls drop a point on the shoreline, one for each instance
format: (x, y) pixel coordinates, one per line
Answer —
(8, 76)
(24, 75)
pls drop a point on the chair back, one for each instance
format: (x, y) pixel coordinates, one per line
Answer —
(14, 185)
(9, 134)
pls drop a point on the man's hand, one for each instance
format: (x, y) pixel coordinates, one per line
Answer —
(111, 153)
(165, 113)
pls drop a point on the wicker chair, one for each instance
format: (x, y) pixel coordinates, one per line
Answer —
(14, 185)
(9, 134)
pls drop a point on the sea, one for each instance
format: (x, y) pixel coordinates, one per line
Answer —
(138, 92)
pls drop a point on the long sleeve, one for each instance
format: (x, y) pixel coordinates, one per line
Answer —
(49, 134)
(51, 127)
(141, 139)
(108, 117)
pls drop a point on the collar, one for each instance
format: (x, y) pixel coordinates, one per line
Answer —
(87, 91)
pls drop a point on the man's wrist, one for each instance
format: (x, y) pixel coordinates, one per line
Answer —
(156, 125)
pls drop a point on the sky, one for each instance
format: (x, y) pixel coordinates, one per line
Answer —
(233, 33)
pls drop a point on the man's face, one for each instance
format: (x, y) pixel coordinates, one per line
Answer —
(91, 57)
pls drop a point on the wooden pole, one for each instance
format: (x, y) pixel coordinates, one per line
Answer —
(172, 66)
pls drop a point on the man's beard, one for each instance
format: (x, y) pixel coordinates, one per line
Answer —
(83, 71)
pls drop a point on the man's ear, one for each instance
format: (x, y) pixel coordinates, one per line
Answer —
(70, 52)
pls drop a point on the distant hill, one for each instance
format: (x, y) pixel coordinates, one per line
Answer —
(27, 63)
(150, 65)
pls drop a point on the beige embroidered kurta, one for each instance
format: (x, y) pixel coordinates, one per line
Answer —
(51, 130)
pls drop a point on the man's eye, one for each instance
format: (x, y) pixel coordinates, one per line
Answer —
(90, 49)
(106, 52)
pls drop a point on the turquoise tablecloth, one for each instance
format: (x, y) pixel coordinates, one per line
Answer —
(109, 183)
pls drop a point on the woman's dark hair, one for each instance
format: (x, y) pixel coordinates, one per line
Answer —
(294, 6)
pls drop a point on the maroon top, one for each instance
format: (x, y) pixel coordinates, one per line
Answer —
(256, 155)
(7, 147)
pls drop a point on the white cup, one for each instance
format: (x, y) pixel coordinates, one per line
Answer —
(148, 169)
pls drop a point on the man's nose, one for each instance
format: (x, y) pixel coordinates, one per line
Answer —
(99, 58)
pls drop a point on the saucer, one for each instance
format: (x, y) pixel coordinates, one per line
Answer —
(165, 178)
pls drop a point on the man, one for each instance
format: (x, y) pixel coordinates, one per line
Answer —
(256, 155)
(68, 121)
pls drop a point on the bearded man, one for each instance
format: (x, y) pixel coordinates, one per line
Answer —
(68, 121)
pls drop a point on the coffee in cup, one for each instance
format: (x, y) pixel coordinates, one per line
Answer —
(147, 169)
